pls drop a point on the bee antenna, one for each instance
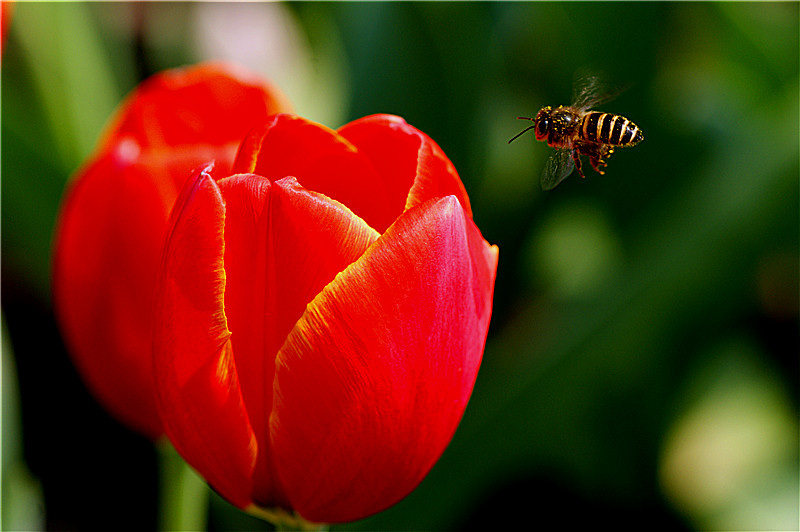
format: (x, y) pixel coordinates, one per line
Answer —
(525, 118)
(521, 132)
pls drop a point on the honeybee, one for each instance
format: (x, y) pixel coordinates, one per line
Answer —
(577, 130)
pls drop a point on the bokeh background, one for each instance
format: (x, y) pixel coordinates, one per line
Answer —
(641, 370)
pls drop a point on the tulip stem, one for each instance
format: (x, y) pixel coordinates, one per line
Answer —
(285, 521)
(184, 496)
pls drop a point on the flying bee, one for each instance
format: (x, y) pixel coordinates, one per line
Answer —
(576, 130)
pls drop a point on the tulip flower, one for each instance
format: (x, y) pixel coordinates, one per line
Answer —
(321, 316)
(113, 222)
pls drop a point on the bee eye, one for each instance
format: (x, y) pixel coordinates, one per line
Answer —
(542, 126)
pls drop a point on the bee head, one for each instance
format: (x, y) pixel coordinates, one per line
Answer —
(542, 122)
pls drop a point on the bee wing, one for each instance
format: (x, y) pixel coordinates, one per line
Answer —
(589, 91)
(558, 167)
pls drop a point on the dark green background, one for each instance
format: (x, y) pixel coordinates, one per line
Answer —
(625, 304)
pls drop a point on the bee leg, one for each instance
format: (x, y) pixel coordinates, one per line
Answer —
(597, 162)
(576, 157)
(597, 158)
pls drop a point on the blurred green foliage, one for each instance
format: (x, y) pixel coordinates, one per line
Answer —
(630, 309)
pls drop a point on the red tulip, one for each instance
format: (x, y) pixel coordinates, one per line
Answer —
(113, 222)
(321, 316)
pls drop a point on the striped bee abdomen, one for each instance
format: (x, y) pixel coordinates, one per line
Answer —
(606, 128)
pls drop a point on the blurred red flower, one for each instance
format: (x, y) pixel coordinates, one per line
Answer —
(321, 316)
(6, 9)
(113, 221)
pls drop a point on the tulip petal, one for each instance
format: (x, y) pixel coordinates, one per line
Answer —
(95, 215)
(196, 378)
(112, 224)
(207, 103)
(412, 165)
(391, 145)
(374, 378)
(283, 244)
(322, 161)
